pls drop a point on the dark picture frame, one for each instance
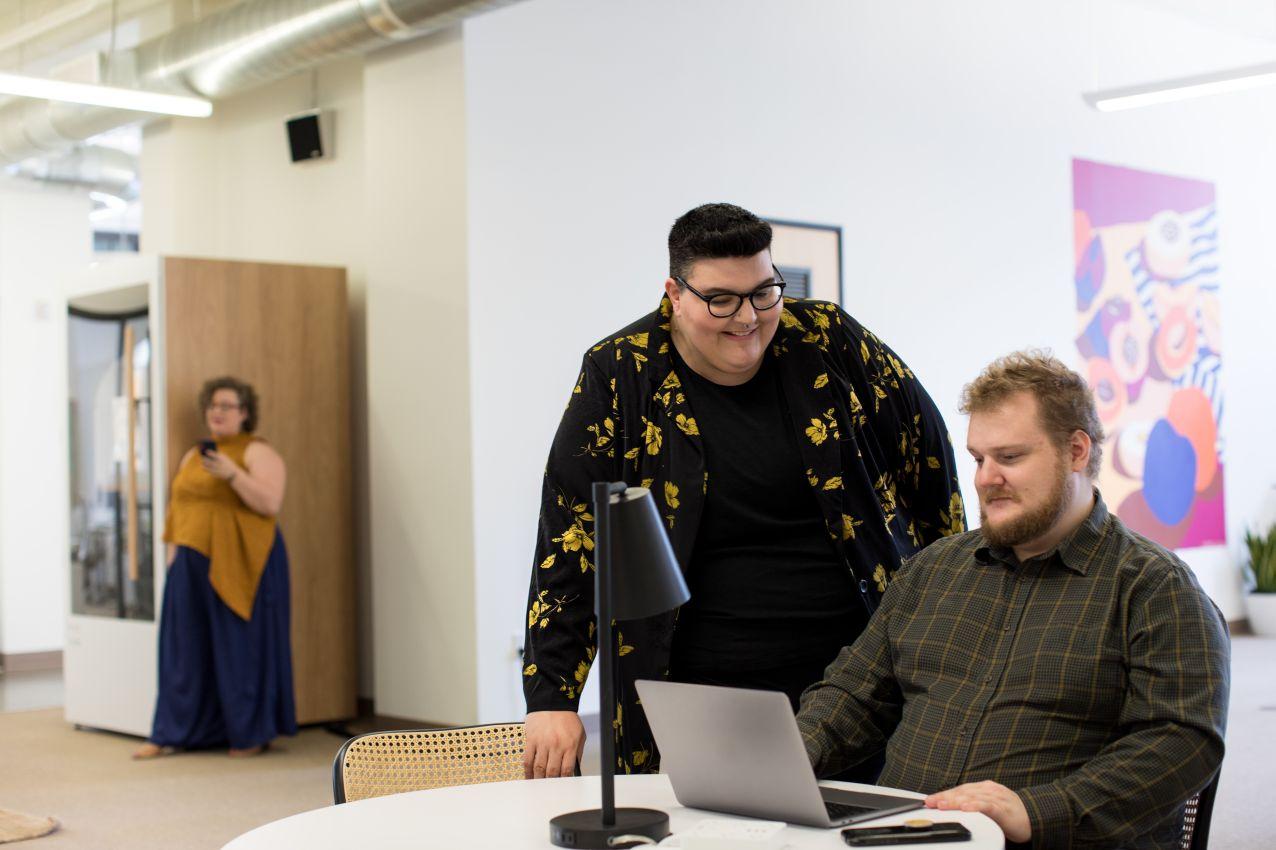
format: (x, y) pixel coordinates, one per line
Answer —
(809, 256)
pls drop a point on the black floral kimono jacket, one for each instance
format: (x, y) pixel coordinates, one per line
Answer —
(875, 447)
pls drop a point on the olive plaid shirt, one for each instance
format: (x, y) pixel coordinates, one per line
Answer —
(1092, 681)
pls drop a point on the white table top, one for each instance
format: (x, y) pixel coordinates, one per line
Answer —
(514, 815)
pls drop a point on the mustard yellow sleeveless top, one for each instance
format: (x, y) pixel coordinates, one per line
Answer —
(206, 515)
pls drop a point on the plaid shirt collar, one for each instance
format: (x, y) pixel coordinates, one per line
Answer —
(1074, 553)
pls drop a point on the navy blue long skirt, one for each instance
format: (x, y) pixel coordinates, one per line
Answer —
(224, 682)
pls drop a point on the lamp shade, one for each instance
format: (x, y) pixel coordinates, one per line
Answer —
(645, 577)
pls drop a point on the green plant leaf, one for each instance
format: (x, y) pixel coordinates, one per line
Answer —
(1262, 559)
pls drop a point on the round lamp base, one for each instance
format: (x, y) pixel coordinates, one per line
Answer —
(585, 829)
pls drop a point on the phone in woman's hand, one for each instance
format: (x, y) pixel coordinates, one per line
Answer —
(207, 447)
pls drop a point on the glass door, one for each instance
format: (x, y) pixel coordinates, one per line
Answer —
(112, 573)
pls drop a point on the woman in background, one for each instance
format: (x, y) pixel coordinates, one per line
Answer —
(225, 661)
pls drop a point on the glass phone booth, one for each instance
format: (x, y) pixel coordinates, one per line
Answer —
(115, 499)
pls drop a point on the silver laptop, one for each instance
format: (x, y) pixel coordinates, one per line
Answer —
(739, 751)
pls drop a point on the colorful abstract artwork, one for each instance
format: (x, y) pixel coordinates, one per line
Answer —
(1147, 290)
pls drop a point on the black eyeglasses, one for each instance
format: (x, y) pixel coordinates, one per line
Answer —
(724, 305)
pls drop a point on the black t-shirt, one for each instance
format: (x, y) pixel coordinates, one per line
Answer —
(771, 600)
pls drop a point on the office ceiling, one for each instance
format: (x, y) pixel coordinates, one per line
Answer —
(1252, 18)
(41, 36)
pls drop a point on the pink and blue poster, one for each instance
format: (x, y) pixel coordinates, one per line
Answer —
(1147, 287)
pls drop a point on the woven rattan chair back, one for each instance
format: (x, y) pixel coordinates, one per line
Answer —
(1197, 815)
(381, 763)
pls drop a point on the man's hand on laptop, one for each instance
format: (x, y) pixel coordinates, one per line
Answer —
(555, 741)
(996, 801)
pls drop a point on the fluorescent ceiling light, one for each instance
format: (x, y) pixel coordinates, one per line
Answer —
(135, 100)
(1220, 82)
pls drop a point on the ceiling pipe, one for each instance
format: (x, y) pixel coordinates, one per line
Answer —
(223, 54)
(102, 169)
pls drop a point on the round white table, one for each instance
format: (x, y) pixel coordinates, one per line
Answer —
(513, 815)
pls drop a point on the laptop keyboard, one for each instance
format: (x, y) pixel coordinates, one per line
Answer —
(837, 811)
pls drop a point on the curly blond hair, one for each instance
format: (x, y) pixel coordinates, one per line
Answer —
(1064, 400)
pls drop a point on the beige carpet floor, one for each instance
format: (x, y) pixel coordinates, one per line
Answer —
(105, 801)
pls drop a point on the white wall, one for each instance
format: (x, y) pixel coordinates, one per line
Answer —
(44, 237)
(939, 135)
(419, 382)
(224, 187)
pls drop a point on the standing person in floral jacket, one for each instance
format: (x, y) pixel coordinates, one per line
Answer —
(795, 459)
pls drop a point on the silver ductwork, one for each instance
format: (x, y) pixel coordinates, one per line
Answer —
(246, 45)
(96, 167)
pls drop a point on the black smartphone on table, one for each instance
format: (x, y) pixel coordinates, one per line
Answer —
(911, 832)
(207, 447)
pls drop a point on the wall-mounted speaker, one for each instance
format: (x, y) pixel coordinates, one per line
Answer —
(310, 135)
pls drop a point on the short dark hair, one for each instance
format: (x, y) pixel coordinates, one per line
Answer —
(713, 231)
(1064, 401)
(247, 398)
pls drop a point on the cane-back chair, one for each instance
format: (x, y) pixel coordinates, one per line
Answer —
(380, 763)
(1196, 817)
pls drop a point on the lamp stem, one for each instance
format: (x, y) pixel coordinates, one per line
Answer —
(608, 826)
(606, 682)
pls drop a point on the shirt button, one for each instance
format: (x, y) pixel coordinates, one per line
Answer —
(987, 678)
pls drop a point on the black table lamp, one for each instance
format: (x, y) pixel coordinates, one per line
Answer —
(636, 575)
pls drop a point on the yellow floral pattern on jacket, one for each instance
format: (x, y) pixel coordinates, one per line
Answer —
(876, 453)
